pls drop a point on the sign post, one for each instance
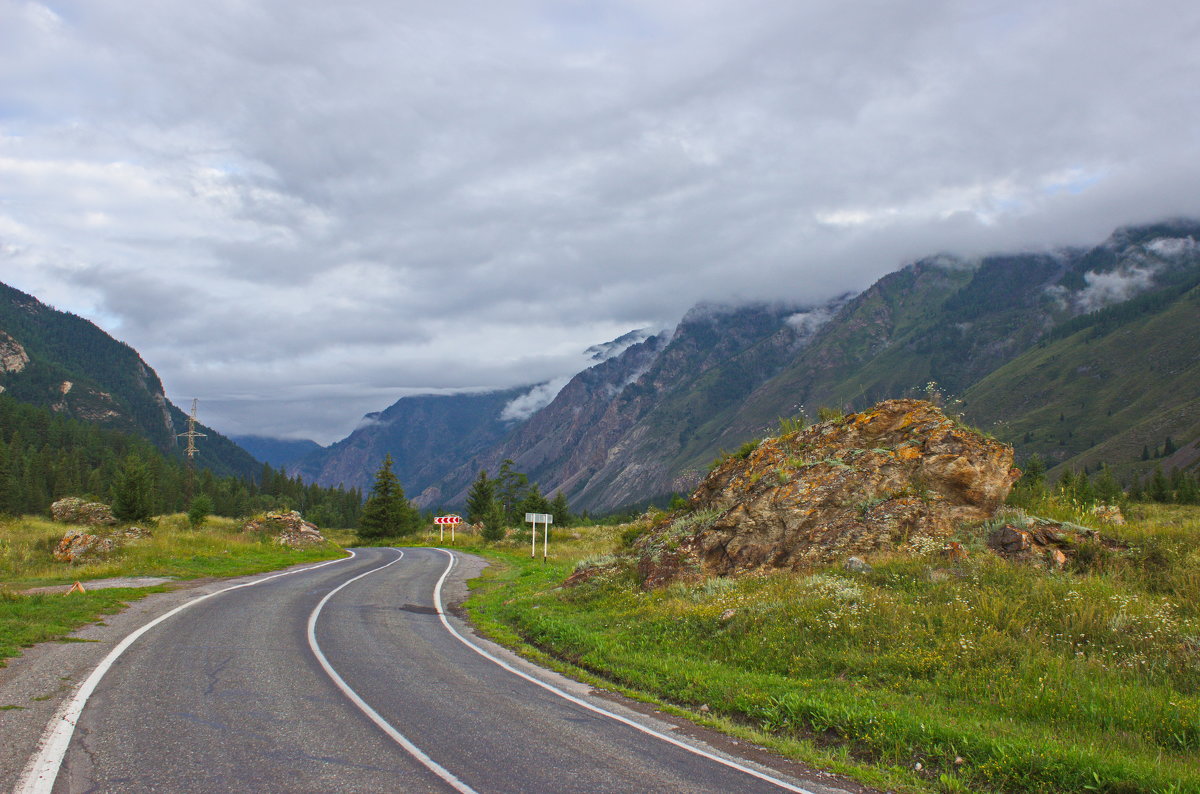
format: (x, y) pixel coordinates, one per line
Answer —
(546, 520)
(442, 521)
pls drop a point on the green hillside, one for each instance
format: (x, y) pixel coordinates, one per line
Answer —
(1127, 380)
(872, 350)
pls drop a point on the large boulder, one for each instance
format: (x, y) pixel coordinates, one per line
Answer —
(77, 546)
(899, 475)
(73, 510)
(289, 529)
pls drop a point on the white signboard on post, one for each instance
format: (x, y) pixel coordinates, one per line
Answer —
(545, 519)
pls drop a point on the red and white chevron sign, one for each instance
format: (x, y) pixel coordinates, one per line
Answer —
(448, 520)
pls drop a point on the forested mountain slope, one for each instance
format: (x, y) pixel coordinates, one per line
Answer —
(1126, 382)
(63, 362)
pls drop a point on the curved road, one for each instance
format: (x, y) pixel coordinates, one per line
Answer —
(348, 677)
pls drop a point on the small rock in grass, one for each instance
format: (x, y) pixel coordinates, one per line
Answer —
(856, 565)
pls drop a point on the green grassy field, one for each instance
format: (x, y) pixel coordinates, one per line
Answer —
(920, 675)
(217, 549)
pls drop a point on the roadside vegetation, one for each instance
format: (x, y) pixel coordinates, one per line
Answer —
(177, 548)
(920, 674)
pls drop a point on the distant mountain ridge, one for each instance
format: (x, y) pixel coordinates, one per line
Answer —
(60, 361)
(645, 422)
(279, 452)
(422, 433)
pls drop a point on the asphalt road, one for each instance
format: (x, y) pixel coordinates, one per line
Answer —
(347, 677)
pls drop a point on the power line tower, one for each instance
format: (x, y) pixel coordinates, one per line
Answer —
(191, 435)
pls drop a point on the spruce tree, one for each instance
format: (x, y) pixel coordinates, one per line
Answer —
(1158, 489)
(1189, 491)
(481, 499)
(511, 487)
(387, 512)
(1107, 489)
(533, 502)
(200, 509)
(132, 494)
(493, 523)
(561, 510)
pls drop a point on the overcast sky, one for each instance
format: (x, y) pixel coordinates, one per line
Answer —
(299, 211)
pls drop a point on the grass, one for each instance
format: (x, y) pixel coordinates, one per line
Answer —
(992, 676)
(217, 549)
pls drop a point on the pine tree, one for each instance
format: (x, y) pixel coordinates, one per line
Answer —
(561, 510)
(533, 502)
(1034, 475)
(1189, 491)
(1136, 493)
(493, 523)
(1178, 484)
(1158, 489)
(1066, 484)
(200, 509)
(510, 490)
(481, 500)
(1107, 489)
(387, 513)
(132, 494)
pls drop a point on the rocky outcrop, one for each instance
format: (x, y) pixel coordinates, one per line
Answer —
(81, 546)
(1049, 543)
(77, 546)
(73, 510)
(289, 529)
(13, 357)
(899, 475)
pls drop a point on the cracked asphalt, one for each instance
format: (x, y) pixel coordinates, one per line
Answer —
(228, 696)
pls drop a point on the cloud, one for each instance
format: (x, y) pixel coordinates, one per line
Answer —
(521, 408)
(1104, 289)
(272, 198)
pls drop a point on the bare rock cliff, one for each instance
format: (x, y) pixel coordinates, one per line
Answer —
(884, 478)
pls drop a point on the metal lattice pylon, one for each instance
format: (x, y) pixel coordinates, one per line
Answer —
(191, 435)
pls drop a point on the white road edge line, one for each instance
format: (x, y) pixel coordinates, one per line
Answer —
(371, 713)
(437, 599)
(42, 770)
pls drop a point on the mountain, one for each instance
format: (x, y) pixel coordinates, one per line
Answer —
(63, 362)
(1109, 383)
(1080, 354)
(279, 452)
(427, 436)
(1006, 333)
(631, 427)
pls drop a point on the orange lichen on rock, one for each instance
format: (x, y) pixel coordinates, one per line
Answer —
(874, 480)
